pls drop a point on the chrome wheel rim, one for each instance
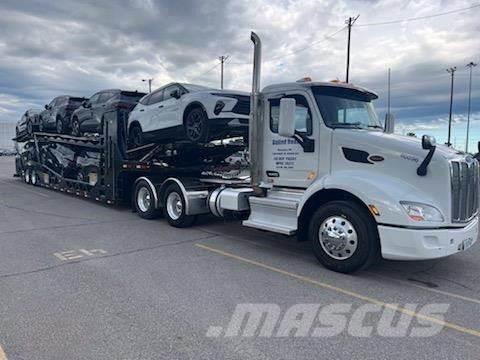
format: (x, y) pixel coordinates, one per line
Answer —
(27, 176)
(338, 237)
(174, 206)
(144, 199)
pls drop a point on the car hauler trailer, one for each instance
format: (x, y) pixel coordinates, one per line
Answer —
(321, 167)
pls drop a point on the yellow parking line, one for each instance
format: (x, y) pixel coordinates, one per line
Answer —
(426, 288)
(340, 290)
(2, 354)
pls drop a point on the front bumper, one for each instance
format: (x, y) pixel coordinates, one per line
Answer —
(422, 244)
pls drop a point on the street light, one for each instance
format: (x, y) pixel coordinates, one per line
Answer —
(149, 84)
(470, 65)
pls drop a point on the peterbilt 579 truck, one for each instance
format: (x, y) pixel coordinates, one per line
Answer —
(322, 167)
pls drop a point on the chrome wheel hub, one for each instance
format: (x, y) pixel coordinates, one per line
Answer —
(338, 237)
(174, 206)
(144, 199)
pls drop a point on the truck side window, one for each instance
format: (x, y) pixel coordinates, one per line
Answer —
(303, 115)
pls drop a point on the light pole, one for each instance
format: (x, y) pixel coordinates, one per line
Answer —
(451, 71)
(222, 61)
(149, 84)
(470, 65)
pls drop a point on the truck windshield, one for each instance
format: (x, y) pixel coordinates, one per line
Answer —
(346, 108)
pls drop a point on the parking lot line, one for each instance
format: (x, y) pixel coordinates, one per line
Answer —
(2, 354)
(426, 288)
(347, 292)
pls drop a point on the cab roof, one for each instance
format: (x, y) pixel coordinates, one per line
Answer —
(304, 84)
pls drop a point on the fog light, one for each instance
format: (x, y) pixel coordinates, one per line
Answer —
(218, 107)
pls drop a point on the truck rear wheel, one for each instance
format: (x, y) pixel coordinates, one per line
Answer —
(145, 201)
(344, 237)
(174, 208)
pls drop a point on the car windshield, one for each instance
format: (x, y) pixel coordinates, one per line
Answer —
(346, 108)
(75, 100)
(193, 88)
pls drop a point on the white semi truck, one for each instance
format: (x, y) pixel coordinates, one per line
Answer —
(321, 167)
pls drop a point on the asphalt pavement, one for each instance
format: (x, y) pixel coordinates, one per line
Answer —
(81, 280)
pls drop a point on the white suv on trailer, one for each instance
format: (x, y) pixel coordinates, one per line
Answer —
(195, 113)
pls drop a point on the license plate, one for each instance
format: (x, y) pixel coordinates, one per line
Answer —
(465, 244)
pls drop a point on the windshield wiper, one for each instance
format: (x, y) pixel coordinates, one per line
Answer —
(375, 126)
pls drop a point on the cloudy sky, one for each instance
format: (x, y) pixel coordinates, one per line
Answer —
(51, 48)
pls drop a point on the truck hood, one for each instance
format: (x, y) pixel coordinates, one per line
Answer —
(380, 143)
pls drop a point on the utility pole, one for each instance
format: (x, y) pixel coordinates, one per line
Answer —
(470, 65)
(388, 94)
(149, 84)
(350, 21)
(222, 61)
(451, 71)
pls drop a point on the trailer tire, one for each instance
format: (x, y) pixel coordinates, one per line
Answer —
(344, 237)
(34, 178)
(174, 208)
(27, 176)
(144, 201)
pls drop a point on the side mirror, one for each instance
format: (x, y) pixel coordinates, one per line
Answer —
(286, 121)
(175, 94)
(85, 104)
(46, 107)
(428, 142)
(389, 123)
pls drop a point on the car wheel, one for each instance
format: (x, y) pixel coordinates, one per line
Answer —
(40, 125)
(174, 208)
(144, 201)
(135, 136)
(29, 127)
(344, 237)
(59, 126)
(75, 127)
(196, 126)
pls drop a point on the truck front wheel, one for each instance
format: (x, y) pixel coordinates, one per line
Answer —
(344, 237)
(174, 208)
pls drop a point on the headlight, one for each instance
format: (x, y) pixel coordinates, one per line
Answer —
(422, 212)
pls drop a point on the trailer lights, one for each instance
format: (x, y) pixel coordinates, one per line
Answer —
(422, 212)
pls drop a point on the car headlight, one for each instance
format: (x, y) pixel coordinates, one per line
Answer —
(421, 212)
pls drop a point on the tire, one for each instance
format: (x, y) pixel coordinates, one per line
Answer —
(40, 125)
(27, 176)
(59, 127)
(174, 208)
(29, 127)
(135, 136)
(75, 131)
(353, 245)
(144, 201)
(34, 178)
(196, 126)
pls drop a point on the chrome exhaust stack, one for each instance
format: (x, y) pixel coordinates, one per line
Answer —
(255, 124)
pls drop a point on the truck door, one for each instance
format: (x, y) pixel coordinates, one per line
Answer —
(286, 162)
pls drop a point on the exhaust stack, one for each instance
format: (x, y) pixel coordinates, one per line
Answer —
(255, 124)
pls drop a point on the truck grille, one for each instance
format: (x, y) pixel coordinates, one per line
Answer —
(242, 106)
(465, 177)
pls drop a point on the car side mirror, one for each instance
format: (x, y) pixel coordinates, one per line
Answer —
(286, 121)
(85, 104)
(46, 107)
(175, 94)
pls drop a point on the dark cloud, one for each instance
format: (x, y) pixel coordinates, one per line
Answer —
(79, 47)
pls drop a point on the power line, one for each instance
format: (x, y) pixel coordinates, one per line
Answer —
(205, 73)
(293, 52)
(419, 17)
